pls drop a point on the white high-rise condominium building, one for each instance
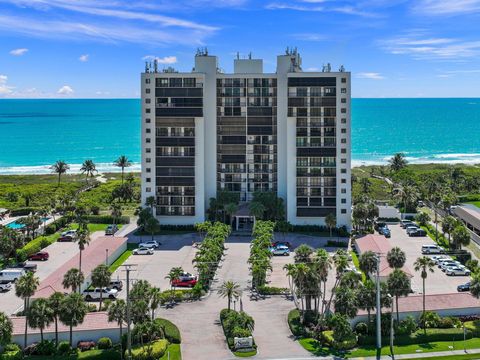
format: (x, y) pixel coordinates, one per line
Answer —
(286, 132)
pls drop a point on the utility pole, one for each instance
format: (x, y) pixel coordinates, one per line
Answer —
(391, 328)
(128, 268)
(379, 310)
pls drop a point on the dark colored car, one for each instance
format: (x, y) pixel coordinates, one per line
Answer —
(26, 266)
(385, 231)
(66, 238)
(417, 232)
(464, 287)
(379, 226)
(111, 229)
(39, 256)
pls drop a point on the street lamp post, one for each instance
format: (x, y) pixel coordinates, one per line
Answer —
(106, 256)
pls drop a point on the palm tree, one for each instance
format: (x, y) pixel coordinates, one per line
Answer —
(323, 265)
(25, 288)
(424, 264)
(115, 211)
(101, 277)
(60, 167)
(152, 226)
(303, 253)
(231, 209)
(117, 311)
(55, 300)
(408, 195)
(257, 209)
(122, 162)
(368, 262)
(6, 329)
(331, 222)
(83, 239)
(40, 315)
(88, 168)
(398, 162)
(475, 285)
(73, 279)
(460, 236)
(301, 274)
(230, 289)
(155, 300)
(398, 285)
(150, 202)
(448, 225)
(346, 301)
(73, 311)
(173, 275)
(367, 297)
(396, 258)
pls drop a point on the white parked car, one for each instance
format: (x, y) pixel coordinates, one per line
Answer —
(437, 258)
(5, 287)
(457, 270)
(149, 244)
(143, 251)
(94, 294)
(432, 249)
(11, 275)
(448, 263)
(71, 232)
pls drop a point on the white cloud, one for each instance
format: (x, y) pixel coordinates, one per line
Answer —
(164, 60)
(344, 7)
(4, 88)
(84, 58)
(18, 52)
(447, 7)
(309, 37)
(65, 90)
(370, 75)
(421, 47)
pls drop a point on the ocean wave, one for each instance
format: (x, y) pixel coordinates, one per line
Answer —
(457, 158)
(74, 169)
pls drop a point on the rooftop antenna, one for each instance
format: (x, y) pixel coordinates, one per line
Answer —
(329, 67)
(342, 68)
(155, 65)
(250, 55)
(147, 69)
(238, 55)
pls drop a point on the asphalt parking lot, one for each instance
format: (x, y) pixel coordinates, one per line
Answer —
(437, 282)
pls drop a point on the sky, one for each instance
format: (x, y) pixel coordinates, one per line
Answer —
(97, 48)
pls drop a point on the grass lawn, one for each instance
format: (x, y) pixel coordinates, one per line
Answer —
(122, 258)
(85, 355)
(175, 353)
(450, 357)
(476, 203)
(245, 354)
(357, 265)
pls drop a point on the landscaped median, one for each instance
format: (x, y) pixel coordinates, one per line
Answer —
(237, 327)
(408, 339)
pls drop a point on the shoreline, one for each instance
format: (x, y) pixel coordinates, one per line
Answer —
(468, 159)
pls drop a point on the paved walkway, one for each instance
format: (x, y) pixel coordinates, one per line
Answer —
(438, 354)
(202, 334)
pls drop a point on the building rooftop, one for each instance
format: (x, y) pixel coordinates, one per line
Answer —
(437, 302)
(379, 244)
(92, 321)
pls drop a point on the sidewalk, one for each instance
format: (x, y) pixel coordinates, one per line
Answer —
(438, 354)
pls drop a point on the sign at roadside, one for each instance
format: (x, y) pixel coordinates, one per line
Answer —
(243, 343)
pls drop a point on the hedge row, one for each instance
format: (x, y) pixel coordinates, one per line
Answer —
(156, 351)
(23, 211)
(340, 231)
(106, 219)
(57, 225)
(272, 290)
(178, 227)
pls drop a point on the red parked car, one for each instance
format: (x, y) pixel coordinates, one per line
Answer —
(39, 256)
(185, 280)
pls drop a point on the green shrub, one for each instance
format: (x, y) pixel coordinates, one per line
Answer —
(64, 348)
(431, 319)
(45, 348)
(271, 290)
(104, 343)
(326, 337)
(347, 344)
(407, 326)
(106, 219)
(240, 332)
(12, 355)
(473, 327)
(449, 322)
(172, 334)
(294, 323)
(11, 347)
(340, 244)
(21, 255)
(361, 328)
(23, 211)
(157, 349)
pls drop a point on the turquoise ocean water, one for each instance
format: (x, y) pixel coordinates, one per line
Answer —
(36, 133)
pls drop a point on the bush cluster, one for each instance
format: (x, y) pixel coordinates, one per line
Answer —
(340, 231)
(260, 254)
(57, 225)
(236, 324)
(178, 227)
(210, 251)
(272, 290)
(11, 352)
(106, 219)
(151, 351)
(339, 244)
(104, 343)
(24, 211)
(172, 334)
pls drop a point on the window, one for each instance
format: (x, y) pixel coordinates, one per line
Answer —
(148, 150)
(343, 191)
(148, 101)
(344, 181)
(148, 180)
(189, 82)
(147, 91)
(148, 160)
(343, 211)
(343, 90)
(162, 82)
(147, 140)
(147, 120)
(343, 121)
(343, 101)
(343, 171)
(343, 131)
(343, 201)
(147, 111)
(149, 170)
(344, 80)
(148, 189)
(343, 151)
(343, 161)
(148, 131)
(343, 110)
(147, 81)
(175, 82)
(343, 141)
